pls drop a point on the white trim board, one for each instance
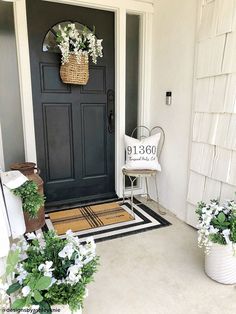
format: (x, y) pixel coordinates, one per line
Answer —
(120, 8)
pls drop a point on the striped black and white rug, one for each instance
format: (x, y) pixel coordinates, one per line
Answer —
(144, 219)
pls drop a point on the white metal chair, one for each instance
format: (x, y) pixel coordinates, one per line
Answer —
(141, 132)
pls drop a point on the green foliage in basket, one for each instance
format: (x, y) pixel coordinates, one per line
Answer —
(31, 199)
(50, 271)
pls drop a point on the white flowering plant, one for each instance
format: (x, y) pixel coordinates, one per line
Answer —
(217, 223)
(80, 43)
(47, 270)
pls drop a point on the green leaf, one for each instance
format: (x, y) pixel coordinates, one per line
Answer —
(221, 217)
(12, 260)
(43, 283)
(44, 308)
(18, 304)
(38, 297)
(14, 287)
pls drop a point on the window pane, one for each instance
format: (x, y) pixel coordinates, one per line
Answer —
(132, 75)
(132, 72)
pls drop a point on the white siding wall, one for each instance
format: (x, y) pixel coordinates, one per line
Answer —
(213, 151)
(172, 69)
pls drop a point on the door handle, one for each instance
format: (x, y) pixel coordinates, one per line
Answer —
(111, 122)
(110, 110)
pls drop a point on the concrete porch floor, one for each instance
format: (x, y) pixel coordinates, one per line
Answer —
(156, 272)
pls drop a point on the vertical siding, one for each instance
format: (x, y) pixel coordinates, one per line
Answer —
(213, 154)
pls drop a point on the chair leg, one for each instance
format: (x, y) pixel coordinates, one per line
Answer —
(148, 195)
(157, 194)
(132, 196)
(123, 188)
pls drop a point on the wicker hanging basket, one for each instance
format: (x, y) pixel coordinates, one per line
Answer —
(73, 72)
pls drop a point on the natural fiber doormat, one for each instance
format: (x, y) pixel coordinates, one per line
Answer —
(104, 221)
(88, 217)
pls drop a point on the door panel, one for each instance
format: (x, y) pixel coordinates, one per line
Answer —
(75, 146)
(93, 122)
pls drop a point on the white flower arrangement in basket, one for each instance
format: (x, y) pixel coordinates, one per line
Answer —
(76, 47)
(217, 233)
(71, 41)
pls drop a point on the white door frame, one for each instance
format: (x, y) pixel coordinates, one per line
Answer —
(120, 8)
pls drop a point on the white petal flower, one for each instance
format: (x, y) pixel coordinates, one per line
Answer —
(31, 236)
(26, 290)
(67, 251)
(226, 234)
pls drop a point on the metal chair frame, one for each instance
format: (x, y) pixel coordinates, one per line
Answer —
(133, 175)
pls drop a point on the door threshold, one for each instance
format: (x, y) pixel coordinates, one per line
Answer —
(70, 204)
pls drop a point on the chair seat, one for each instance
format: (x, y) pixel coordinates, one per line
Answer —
(139, 172)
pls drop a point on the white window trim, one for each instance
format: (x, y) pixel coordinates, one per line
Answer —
(120, 8)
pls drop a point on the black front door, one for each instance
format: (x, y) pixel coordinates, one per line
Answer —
(74, 132)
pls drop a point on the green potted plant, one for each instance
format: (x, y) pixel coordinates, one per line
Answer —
(32, 201)
(217, 233)
(50, 273)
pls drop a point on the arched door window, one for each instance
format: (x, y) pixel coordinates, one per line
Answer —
(50, 43)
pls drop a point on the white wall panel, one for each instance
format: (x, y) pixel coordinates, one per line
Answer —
(202, 157)
(191, 216)
(195, 188)
(203, 95)
(231, 136)
(212, 190)
(204, 58)
(196, 156)
(218, 96)
(206, 27)
(232, 171)
(227, 192)
(213, 128)
(196, 125)
(221, 164)
(225, 15)
(230, 95)
(217, 53)
(210, 56)
(174, 34)
(204, 130)
(229, 62)
(222, 129)
(214, 106)
(207, 160)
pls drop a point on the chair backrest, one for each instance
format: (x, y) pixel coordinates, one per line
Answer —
(141, 132)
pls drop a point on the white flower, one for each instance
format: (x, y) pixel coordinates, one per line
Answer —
(67, 251)
(26, 290)
(22, 273)
(53, 280)
(32, 236)
(15, 247)
(74, 274)
(46, 268)
(86, 293)
(226, 234)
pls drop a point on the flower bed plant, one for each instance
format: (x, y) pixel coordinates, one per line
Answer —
(217, 223)
(80, 43)
(50, 271)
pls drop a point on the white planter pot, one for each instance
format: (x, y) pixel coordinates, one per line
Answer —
(220, 263)
(63, 309)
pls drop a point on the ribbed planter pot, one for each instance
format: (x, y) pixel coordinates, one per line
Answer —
(220, 263)
(63, 309)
